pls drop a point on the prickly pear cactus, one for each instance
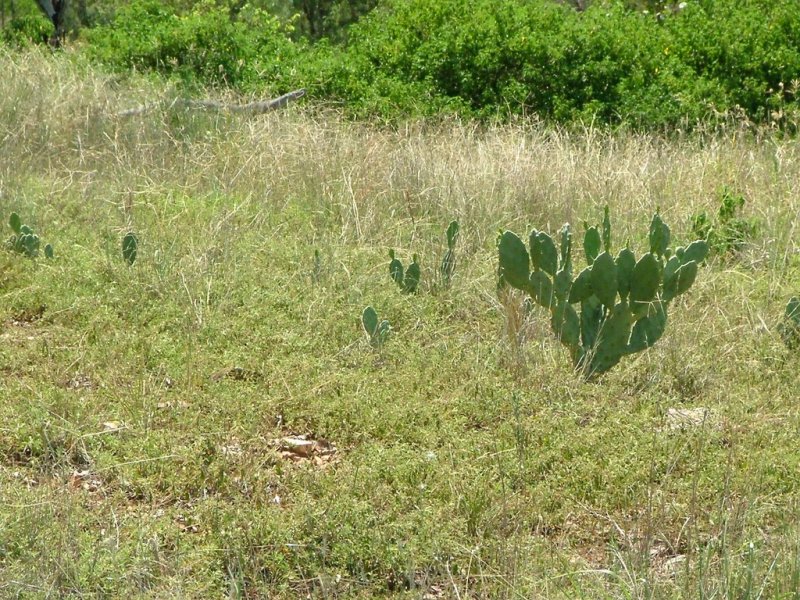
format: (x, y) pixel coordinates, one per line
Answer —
(377, 331)
(620, 303)
(25, 241)
(448, 266)
(406, 279)
(130, 247)
(790, 328)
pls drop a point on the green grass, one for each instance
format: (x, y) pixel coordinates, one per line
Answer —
(470, 461)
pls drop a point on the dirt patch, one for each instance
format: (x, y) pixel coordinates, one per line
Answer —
(236, 374)
(28, 316)
(304, 449)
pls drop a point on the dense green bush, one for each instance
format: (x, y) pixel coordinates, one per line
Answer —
(202, 46)
(489, 58)
(748, 49)
(607, 63)
(24, 30)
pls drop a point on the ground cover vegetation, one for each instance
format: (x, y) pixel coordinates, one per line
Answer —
(196, 403)
(639, 64)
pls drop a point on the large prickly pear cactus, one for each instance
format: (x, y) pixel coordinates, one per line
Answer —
(620, 301)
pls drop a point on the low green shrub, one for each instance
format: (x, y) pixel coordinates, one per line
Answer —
(730, 232)
(25, 30)
(203, 46)
(606, 64)
(710, 60)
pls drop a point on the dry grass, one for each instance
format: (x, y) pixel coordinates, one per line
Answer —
(472, 463)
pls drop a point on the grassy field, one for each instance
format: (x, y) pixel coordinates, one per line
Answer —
(144, 409)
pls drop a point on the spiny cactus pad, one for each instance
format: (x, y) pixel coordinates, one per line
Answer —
(622, 301)
(377, 331)
(130, 247)
(448, 267)
(790, 328)
(406, 279)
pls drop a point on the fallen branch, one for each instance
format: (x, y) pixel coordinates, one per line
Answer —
(255, 108)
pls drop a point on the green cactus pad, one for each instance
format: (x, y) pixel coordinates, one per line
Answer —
(29, 242)
(659, 236)
(566, 324)
(591, 244)
(562, 283)
(396, 269)
(48, 251)
(604, 279)
(612, 343)
(793, 309)
(130, 247)
(626, 261)
(606, 230)
(382, 332)
(696, 251)
(591, 320)
(412, 276)
(582, 286)
(670, 278)
(565, 235)
(514, 266)
(15, 222)
(686, 276)
(648, 330)
(544, 255)
(645, 279)
(452, 234)
(369, 319)
(540, 288)
(789, 329)
(375, 330)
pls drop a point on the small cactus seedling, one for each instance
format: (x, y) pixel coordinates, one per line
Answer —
(377, 331)
(790, 328)
(130, 247)
(25, 241)
(622, 301)
(316, 271)
(448, 266)
(406, 279)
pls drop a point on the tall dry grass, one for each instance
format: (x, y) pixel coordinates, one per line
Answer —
(59, 128)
